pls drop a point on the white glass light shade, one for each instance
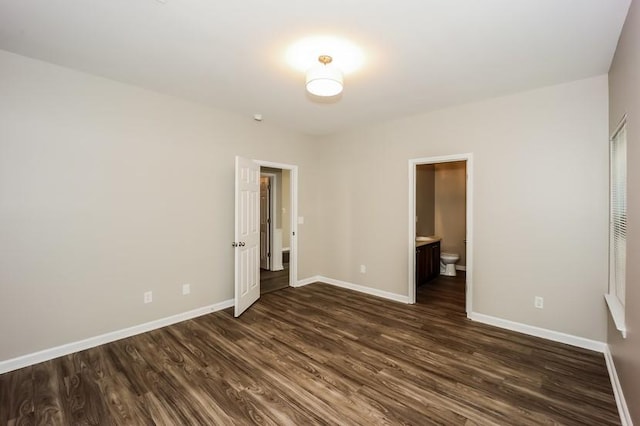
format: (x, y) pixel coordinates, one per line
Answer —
(324, 80)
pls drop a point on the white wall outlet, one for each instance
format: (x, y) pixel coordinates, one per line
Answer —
(538, 302)
(363, 269)
(186, 289)
(148, 297)
(300, 220)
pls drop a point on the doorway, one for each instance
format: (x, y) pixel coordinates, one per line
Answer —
(276, 233)
(457, 236)
(246, 242)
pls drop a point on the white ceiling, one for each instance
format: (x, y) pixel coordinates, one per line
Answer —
(419, 54)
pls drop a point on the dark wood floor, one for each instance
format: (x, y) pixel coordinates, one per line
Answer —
(274, 280)
(320, 355)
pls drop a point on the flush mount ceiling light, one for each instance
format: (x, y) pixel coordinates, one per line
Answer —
(324, 79)
(324, 73)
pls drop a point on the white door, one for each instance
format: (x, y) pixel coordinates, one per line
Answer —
(247, 234)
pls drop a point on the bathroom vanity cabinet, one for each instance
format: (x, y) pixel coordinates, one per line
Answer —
(427, 262)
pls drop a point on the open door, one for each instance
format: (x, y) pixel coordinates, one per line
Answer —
(247, 234)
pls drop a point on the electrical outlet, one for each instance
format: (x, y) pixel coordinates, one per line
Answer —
(148, 297)
(186, 289)
(363, 269)
(538, 302)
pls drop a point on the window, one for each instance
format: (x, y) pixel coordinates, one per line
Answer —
(618, 226)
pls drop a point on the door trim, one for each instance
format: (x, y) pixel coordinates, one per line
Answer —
(293, 209)
(411, 245)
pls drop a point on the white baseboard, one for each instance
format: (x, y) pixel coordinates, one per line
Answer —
(555, 336)
(625, 416)
(461, 268)
(307, 281)
(81, 345)
(350, 286)
(363, 289)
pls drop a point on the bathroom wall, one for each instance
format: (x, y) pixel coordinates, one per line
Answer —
(425, 200)
(624, 98)
(450, 207)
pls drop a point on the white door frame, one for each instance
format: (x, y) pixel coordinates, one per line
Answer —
(273, 183)
(293, 209)
(411, 245)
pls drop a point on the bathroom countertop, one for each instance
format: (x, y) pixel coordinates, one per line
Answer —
(424, 243)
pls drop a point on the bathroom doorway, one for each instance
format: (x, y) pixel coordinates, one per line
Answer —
(440, 226)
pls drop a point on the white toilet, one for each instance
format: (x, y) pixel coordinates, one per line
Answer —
(448, 263)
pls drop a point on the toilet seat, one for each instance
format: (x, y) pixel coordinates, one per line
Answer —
(449, 256)
(448, 263)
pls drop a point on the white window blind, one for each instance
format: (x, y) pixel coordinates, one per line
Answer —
(618, 226)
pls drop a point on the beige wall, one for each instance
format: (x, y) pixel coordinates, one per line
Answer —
(107, 191)
(624, 98)
(450, 207)
(540, 210)
(286, 209)
(425, 199)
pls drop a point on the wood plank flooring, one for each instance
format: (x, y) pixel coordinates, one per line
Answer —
(320, 355)
(274, 280)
